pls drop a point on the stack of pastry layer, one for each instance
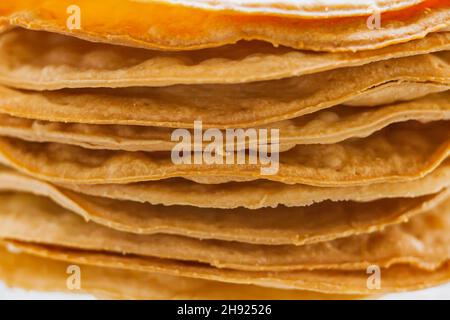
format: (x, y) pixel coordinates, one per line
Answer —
(358, 207)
